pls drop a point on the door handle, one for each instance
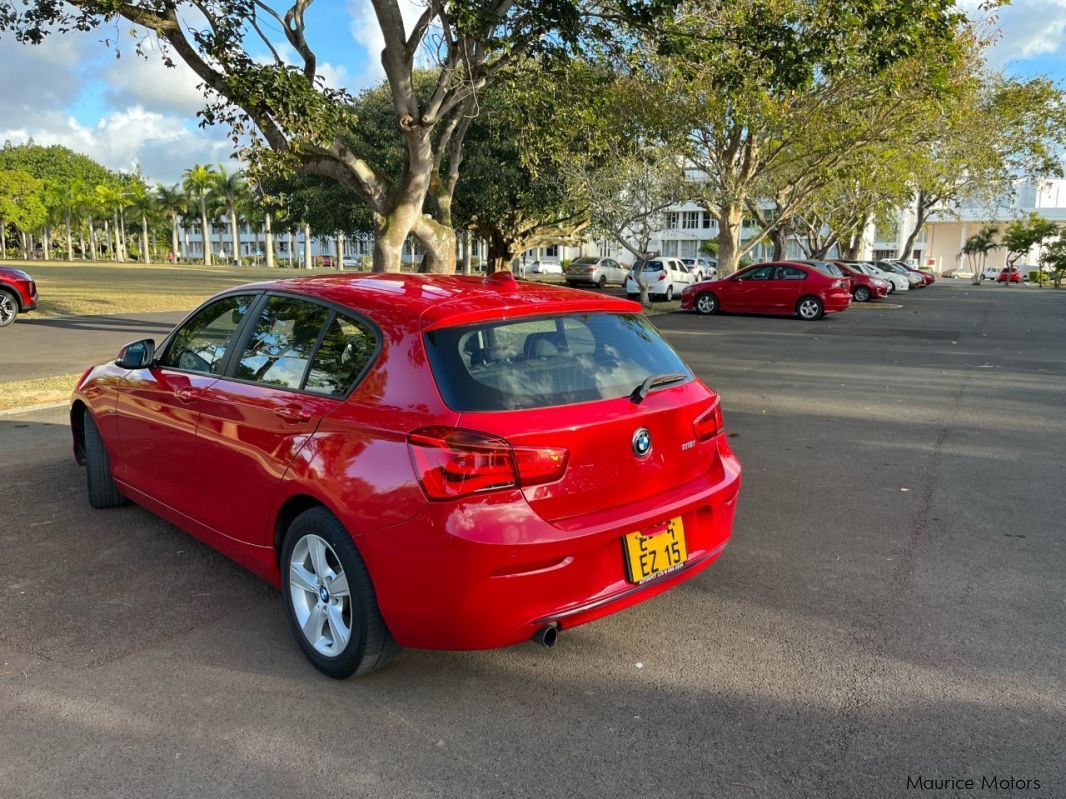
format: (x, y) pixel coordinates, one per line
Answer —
(293, 413)
(188, 395)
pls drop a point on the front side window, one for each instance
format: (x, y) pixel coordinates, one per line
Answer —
(547, 361)
(279, 348)
(758, 273)
(200, 344)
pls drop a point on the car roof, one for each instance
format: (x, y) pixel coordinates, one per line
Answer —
(447, 300)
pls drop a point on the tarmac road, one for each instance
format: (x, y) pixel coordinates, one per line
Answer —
(892, 605)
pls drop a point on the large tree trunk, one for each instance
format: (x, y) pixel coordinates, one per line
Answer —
(340, 252)
(269, 241)
(235, 235)
(779, 239)
(501, 252)
(206, 230)
(145, 257)
(730, 229)
(923, 206)
(307, 246)
(438, 241)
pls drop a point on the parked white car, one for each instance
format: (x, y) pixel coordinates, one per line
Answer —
(913, 281)
(990, 273)
(896, 281)
(666, 277)
(592, 271)
(545, 268)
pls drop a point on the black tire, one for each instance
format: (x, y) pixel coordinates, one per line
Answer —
(706, 304)
(370, 645)
(862, 294)
(632, 296)
(669, 293)
(9, 308)
(103, 493)
(891, 288)
(602, 282)
(810, 309)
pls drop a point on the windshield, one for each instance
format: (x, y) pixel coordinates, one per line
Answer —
(547, 361)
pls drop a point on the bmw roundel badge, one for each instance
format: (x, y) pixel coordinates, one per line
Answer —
(642, 443)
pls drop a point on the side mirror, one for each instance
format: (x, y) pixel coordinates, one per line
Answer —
(137, 354)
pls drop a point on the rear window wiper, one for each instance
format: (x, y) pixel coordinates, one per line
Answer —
(640, 392)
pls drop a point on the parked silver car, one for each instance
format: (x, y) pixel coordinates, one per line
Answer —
(702, 268)
(591, 271)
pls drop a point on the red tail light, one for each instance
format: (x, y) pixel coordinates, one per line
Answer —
(662, 276)
(709, 423)
(454, 463)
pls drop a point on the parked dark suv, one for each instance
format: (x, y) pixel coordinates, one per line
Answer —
(18, 294)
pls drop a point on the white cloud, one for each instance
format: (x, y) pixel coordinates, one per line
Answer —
(367, 32)
(1028, 28)
(148, 82)
(159, 144)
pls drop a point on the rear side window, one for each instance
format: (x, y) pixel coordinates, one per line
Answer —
(547, 361)
(790, 273)
(828, 269)
(345, 352)
(280, 346)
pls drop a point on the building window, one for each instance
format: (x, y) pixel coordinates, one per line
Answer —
(670, 248)
(552, 251)
(691, 220)
(671, 220)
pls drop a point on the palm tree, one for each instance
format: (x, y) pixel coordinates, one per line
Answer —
(230, 190)
(143, 201)
(66, 199)
(199, 181)
(173, 202)
(108, 199)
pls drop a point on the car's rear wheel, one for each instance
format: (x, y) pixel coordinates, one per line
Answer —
(810, 308)
(669, 293)
(9, 308)
(602, 282)
(862, 294)
(707, 304)
(103, 493)
(329, 599)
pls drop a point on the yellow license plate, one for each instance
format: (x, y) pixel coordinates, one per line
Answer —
(651, 556)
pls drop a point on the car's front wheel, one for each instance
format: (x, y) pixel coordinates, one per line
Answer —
(9, 308)
(810, 308)
(862, 294)
(103, 493)
(707, 304)
(329, 599)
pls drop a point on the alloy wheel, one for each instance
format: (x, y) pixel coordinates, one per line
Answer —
(706, 304)
(809, 308)
(321, 600)
(862, 294)
(8, 308)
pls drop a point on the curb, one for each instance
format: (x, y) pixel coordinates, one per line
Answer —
(31, 408)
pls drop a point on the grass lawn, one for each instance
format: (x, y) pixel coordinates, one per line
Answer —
(104, 288)
(38, 391)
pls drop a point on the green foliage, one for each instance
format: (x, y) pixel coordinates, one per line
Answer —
(1054, 259)
(709, 247)
(1021, 235)
(22, 200)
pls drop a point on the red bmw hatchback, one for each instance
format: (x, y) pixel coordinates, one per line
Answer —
(807, 289)
(18, 294)
(424, 461)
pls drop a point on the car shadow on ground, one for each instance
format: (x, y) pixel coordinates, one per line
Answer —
(101, 323)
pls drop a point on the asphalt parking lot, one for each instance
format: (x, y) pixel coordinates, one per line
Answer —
(893, 604)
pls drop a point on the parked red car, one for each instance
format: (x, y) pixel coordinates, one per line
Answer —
(928, 278)
(808, 289)
(18, 294)
(1013, 275)
(427, 461)
(864, 287)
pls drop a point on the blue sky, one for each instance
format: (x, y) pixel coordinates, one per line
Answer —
(131, 112)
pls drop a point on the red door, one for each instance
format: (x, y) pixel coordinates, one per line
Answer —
(298, 360)
(158, 408)
(747, 291)
(789, 283)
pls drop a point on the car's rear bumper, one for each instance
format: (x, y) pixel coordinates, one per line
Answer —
(834, 303)
(490, 573)
(587, 280)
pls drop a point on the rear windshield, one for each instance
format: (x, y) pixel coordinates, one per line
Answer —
(585, 260)
(547, 361)
(828, 269)
(653, 266)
